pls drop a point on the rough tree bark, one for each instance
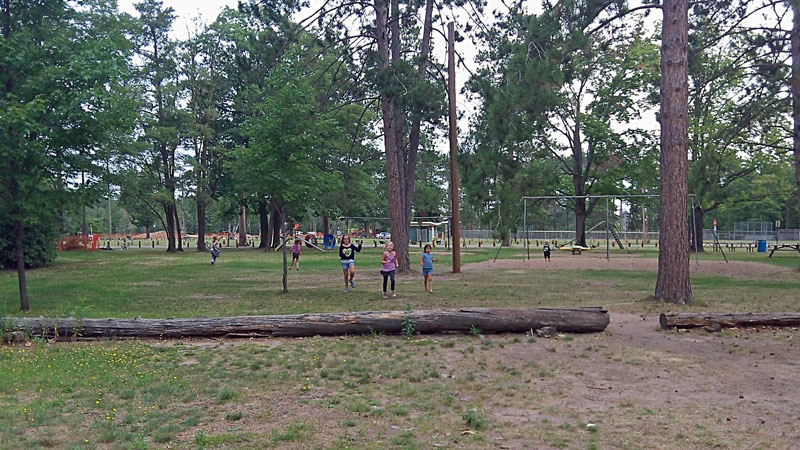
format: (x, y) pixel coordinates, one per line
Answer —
(487, 320)
(580, 221)
(795, 41)
(285, 276)
(410, 170)
(693, 320)
(400, 163)
(169, 212)
(277, 223)
(242, 226)
(201, 226)
(673, 283)
(394, 172)
(263, 222)
(326, 225)
(19, 244)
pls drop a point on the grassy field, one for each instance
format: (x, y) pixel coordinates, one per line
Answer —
(151, 283)
(605, 390)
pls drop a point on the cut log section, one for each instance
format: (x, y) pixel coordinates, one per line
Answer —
(692, 320)
(487, 320)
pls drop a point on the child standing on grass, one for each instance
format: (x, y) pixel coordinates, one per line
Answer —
(214, 249)
(295, 254)
(546, 250)
(426, 262)
(347, 254)
(389, 265)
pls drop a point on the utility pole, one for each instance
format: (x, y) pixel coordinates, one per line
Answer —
(455, 213)
(110, 234)
(644, 225)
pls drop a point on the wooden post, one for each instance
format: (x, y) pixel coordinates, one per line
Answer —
(455, 213)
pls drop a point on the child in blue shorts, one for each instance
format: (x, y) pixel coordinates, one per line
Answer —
(347, 255)
(426, 262)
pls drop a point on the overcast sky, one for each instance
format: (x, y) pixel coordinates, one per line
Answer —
(186, 11)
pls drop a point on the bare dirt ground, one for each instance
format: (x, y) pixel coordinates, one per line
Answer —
(633, 386)
(647, 388)
(598, 262)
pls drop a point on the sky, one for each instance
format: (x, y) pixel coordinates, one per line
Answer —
(186, 11)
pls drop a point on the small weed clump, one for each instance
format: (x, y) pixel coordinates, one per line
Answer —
(409, 323)
(475, 419)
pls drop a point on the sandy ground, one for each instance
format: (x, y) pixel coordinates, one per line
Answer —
(640, 386)
(740, 387)
(596, 262)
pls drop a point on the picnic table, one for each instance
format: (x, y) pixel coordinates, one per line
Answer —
(782, 247)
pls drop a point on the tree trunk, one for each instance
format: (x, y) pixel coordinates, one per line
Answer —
(242, 226)
(84, 227)
(201, 226)
(179, 236)
(673, 283)
(506, 242)
(795, 41)
(697, 230)
(410, 169)
(169, 212)
(263, 222)
(271, 227)
(285, 277)
(19, 243)
(397, 217)
(463, 320)
(693, 320)
(277, 225)
(147, 231)
(580, 221)
(326, 225)
(19, 246)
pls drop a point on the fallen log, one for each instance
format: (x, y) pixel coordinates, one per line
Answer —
(693, 320)
(487, 320)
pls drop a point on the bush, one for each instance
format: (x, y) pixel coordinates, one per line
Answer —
(39, 234)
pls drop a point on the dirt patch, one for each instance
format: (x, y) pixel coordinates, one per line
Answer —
(639, 387)
(737, 269)
(208, 297)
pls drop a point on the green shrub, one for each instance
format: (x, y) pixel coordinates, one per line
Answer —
(39, 235)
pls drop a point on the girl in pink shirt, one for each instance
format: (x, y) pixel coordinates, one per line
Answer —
(295, 254)
(389, 265)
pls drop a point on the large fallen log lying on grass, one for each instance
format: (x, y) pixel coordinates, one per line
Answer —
(692, 320)
(487, 320)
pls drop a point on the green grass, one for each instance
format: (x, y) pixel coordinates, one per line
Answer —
(150, 283)
(351, 392)
(376, 392)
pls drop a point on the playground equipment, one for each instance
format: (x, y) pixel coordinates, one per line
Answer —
(311, 240)
(612, 229)
(87, 242)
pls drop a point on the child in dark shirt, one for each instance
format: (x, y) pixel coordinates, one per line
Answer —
(347, 255)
